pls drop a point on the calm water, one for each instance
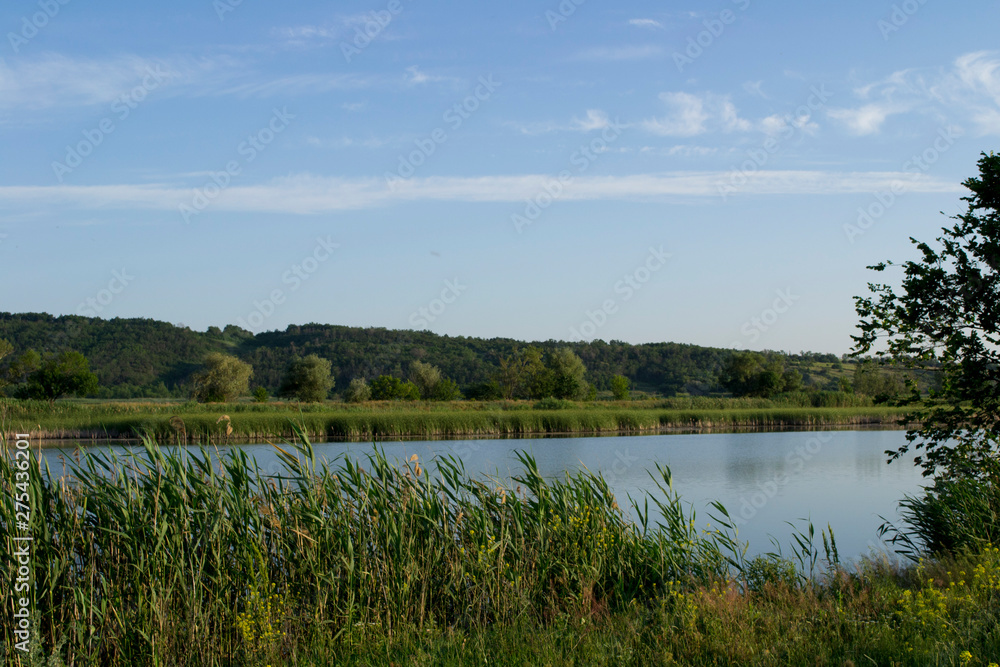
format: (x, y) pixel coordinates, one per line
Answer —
(763, 479)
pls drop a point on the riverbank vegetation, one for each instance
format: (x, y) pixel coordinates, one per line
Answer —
(170, 421)
(368, 563)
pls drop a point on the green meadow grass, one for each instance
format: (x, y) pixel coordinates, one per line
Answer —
(187, 558)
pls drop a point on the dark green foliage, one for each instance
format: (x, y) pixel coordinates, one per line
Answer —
(224, 378)
(567, 373)
(947, 316)
(357, 391)
(446, 390)
(754, 374)
(769, 570)
(260, 395)
(390, 388)
(484, 391)
(139, 357)
(307, 379)
(872, 379)
(949, 516)
(619, 387)
(67, 373)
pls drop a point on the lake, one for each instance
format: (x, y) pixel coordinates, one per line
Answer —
(764, 479)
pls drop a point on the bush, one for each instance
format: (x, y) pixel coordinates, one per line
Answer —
(950, 516)
(308, 379)
(770, 570)
(484, 391)
(358, 391)
(553, 403)
(389, 388)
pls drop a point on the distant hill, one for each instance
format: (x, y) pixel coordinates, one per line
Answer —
(144, 357)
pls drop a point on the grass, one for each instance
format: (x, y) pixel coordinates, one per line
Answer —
(212, 423)
(192, 558)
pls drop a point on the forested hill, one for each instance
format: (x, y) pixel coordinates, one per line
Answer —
(143, 357)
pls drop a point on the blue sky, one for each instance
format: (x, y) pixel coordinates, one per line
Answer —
(714, 173)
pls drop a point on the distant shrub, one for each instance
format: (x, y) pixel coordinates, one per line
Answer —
(552, 403)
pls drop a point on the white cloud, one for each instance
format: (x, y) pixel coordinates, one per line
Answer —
(646, 23)
(689, 115)
(310, 194)
(595, 120)
(970, 89)
(867, 119)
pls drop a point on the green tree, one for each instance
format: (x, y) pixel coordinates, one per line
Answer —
(446, 390)
(537, 381)
(308, 379)
(567, 372)
(753, 374)
(426, 377)
(389, 388)
(259, 395)
(619, 387)
(484, 391)
(946, 318)
(5, 349)
(223, 379)
(510, 377)
(871, 379)
(67, 373)
(23, 366)
(357, 391)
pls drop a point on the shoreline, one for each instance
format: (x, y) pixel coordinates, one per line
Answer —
(227, 424)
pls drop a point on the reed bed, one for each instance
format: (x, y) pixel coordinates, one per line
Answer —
(194, 558)
(193, 423)
(171, 556)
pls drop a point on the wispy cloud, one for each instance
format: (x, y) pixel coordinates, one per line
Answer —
(594, 119)
(309, 194)
(646, 23)
(867, 119)
(969, 89)
(54, 80)
(620, 53)
(689, 115)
